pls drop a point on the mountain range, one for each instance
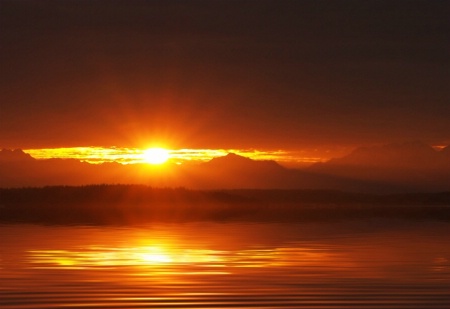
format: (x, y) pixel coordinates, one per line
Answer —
(405, 167)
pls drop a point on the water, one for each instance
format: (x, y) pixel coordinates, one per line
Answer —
(370, 264)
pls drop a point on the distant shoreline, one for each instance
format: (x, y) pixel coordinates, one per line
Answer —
(137, 204)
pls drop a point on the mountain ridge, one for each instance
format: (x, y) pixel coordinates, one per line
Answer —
(14, 155)
(405, 167)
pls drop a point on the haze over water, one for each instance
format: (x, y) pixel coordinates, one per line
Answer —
(374, 263)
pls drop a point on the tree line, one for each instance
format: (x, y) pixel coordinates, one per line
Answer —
(131, 204)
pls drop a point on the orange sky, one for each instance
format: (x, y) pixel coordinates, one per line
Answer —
(290, 75)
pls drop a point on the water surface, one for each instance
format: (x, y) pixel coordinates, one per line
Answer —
(352, 264)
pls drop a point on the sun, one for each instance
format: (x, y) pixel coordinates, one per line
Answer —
(156, 155)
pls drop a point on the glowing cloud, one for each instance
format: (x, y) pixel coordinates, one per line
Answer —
(98, 155)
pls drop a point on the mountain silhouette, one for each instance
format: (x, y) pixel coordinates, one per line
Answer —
(14, 155)
(415, 155)
(233, 161)
(407, 167)
(235, 171)
(411, 165)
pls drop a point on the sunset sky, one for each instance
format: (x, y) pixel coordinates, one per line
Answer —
(268, 75)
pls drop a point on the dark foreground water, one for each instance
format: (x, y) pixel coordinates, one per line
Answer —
(370, 264)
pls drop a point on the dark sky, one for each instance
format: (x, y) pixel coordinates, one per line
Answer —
(232, 74)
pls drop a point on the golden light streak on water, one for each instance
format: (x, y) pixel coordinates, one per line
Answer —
(160, 255)
(370, 265)
(91, 257)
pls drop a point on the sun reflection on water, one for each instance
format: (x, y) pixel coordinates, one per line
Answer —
(205, 265)
(124, 256)
(160, 256)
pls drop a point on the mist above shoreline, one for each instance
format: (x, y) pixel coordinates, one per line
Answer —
(136, 204)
